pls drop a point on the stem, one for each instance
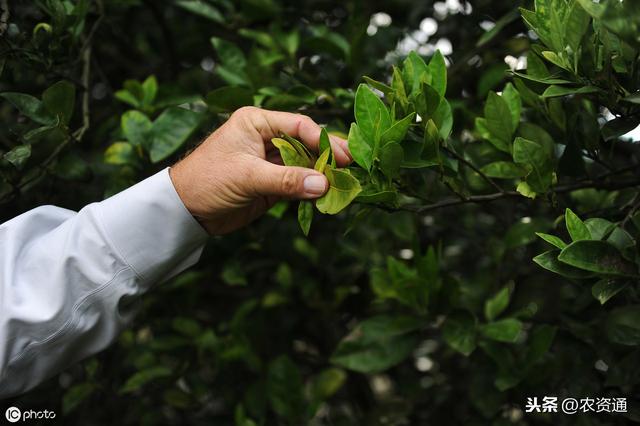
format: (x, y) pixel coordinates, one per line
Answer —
(509, 194)
(474, 168)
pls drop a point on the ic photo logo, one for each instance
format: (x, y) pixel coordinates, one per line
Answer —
(14, 415)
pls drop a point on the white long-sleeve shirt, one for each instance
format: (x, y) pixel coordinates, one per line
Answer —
(65, 277)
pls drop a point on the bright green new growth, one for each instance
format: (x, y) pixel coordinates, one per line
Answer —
(343, 187)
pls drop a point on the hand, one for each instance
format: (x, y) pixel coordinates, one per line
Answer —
(236, 174)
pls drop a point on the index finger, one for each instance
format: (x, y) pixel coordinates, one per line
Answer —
(271, 124)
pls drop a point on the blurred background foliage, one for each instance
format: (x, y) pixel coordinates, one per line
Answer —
(429, 311)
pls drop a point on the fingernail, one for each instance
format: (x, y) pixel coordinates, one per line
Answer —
(315, 184)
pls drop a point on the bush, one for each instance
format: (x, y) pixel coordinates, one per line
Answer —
(489, 253)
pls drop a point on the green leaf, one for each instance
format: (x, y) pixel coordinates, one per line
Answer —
(552, 239)
(305, 216)
(229, 98)
(414, 73)
(170, 130)
(506, 330)
(371, 114)
(233, 62)
(203, 9)
(149, 90)
(623, 325)
(59, 100)
(497, 304)
(556, 59)
(575, 26)
(443, 118)
(291, 156)
(504, 170)
(438, 71)
(512, 98)
(143, 377)
(459, 331)
(549, 261)
(76, 395)
(483, 130)
(498, 118)
(576, 227)
(30, 107)
(128, 98)
(387, 90)
(377, 344)
(606, 288)
(285, 391)
(558, 91)
(599, 228)
(597, 256)
(326, 383)
(539, 343)
(136, 127)
(325, 143)
(18, 155)
(531, 154)
(300, 147)
(550, 79)
(525, 190)
(391, 157)
(596, 10)
(120, 153)
(323, 160)
(536, 67)
(360, 148)
(634, 98)
(343, 188)
(399, 91)
(397, 132)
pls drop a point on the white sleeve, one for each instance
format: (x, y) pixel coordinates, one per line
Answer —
(65, 277)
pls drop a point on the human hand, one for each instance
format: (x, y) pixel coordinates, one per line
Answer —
(236, 174)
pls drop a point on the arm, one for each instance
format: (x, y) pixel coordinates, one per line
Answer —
(65, 278)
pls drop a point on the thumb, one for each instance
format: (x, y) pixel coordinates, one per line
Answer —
(289, 182)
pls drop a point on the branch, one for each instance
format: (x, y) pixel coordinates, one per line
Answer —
(86, 70)
(511, 194)
(4, 17)
(474, 168)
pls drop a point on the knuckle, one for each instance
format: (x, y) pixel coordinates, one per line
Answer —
(245, 112)
(289, 181)
(306, 121)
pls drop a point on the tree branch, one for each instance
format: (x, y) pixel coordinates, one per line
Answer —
(474, 168)
(510, 194)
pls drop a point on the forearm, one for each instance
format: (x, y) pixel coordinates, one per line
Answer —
(66, 277)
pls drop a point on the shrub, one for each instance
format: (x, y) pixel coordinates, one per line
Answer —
(488, 252)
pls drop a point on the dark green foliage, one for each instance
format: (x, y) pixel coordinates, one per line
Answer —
(429, 298)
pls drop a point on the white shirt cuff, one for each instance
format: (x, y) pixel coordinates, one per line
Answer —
(151, 229)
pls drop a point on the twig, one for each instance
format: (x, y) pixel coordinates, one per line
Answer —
(86, 70)
(4, 17)
(635, 205)
(474, 168)
(506, 194)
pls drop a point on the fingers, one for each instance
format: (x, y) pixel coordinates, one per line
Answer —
(271, 124)
(288, 182)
